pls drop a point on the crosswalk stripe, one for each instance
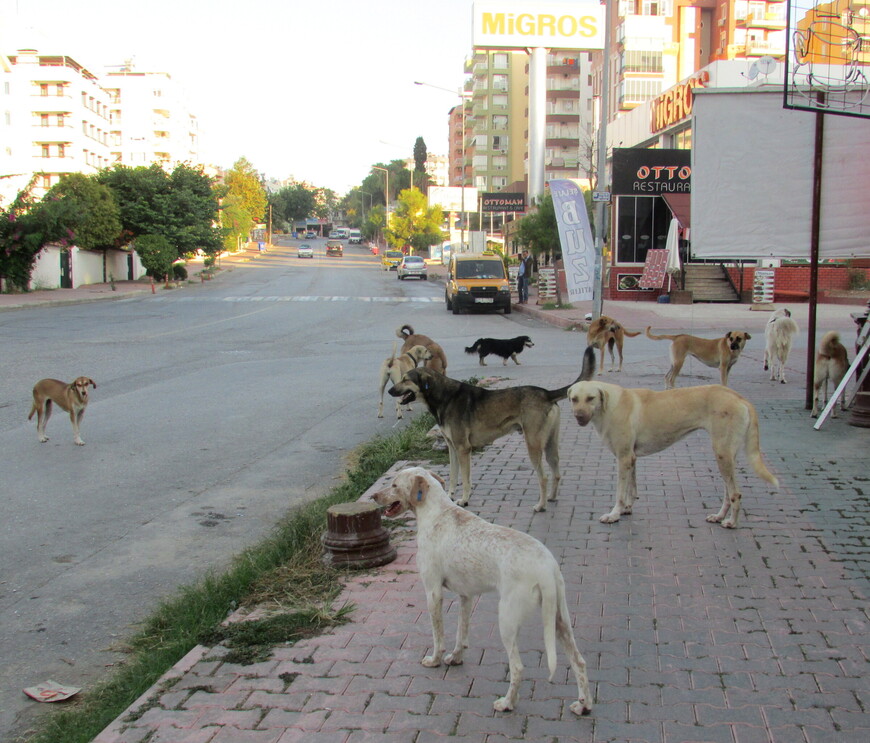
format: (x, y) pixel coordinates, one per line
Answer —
(306, 298)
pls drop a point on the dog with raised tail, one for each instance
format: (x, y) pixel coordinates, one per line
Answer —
(465, 554)
(778, 334)
(507, 348)
(438, 361)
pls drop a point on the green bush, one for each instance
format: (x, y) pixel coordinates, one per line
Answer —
(179, 272)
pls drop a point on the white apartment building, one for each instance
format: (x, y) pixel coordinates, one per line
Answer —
(150, 122)
(55, 120)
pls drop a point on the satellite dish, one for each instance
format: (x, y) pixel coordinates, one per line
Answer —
(766, 65)
(753, 71)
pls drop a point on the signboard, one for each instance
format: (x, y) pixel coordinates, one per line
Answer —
(601, 196)
(503, 202)
(675, 104)
(643, 172)
(523, 25)
(575, 237)
(762, 286)
(450, 198)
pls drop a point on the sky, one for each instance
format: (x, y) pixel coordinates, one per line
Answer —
(317, 91)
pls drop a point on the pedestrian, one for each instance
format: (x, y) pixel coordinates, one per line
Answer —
(524, 275)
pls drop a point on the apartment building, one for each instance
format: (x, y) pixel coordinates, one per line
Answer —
(55, 120)
(496, 119)
(150, 121)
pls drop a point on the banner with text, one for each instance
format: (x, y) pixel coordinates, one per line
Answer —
(503, 202)
(575, 236)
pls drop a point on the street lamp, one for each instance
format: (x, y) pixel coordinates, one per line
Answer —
(463, 97)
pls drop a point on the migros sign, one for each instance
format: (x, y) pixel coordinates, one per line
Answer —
(675, 104)
(518, 25)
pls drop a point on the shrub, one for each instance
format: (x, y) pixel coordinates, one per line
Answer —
(179, 272)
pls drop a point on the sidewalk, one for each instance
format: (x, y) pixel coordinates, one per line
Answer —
(691, 632)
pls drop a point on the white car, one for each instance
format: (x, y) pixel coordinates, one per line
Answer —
(411, 266)
(305, 251)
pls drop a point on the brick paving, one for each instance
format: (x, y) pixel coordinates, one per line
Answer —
(692, 632)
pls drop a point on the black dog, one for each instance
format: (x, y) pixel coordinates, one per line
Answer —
(507, 348)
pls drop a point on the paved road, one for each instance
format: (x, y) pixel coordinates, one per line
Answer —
(218, 406)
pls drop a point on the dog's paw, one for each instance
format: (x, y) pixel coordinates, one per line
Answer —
(430, 661)
(581, 708)
(729, 524)
(43, 439)
(453, 659)
(714, 518)
(609, 518)
(79, 443)
(502, 705)
(538, 508)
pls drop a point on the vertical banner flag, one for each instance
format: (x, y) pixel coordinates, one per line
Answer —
(575, 236)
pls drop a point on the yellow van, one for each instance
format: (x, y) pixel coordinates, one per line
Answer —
(391, 259)
(477, 280)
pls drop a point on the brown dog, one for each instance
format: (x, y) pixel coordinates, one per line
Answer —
(832, 363)
(607, 332)
(73, 398)
(713, 352)
(438, 362)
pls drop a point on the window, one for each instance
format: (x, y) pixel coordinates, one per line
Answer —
(499, 143)
(642, 223)
(637, 60)
(499, 101)
(43, 89)
(500, 60)
(46, 181)
(500, 82)
(61, 150)
(46, 151)
(43, 119)
(499, 121)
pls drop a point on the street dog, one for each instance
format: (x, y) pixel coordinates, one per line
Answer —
(721, 353)
(438, 362)
(638, 422)
(832, 363)
(73, 398)
(778, 335)
(507, 348)
(465, 554)
(471, 417)
(394, 367)
(605, 332)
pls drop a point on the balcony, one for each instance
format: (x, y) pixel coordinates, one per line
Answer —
(562, 141)
(773, 21)
(765, 47)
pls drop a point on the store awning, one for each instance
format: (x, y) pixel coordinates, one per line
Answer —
(680, 205)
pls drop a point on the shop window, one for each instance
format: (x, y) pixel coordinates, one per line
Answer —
(642, 223)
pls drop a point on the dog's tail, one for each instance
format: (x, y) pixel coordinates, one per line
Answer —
(658, 337)
(587, 371)
(830, 341)
(473, 348)
(630, 334)
(32, 411)
(753, 449)
(404, 331)
(550, 600)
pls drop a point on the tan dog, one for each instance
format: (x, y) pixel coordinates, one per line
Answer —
(638, 422)
(778, 334)
(465, 554)
(832, 363)
(438, 362)
(73, 398)
(607, 332)
(394, 368)
(721, 353)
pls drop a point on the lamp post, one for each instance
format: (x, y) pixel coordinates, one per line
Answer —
(463, 97)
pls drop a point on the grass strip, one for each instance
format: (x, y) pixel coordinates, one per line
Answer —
(284, 569)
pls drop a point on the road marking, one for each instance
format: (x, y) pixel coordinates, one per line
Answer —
(314, 298)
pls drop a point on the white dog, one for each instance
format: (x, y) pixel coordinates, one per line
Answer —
(638, 422)
(462, 552)
(394, 368)
(778, 333)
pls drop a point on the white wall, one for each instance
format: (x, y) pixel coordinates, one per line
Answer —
(87, 267)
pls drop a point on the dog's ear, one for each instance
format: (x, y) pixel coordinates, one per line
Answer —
(92, 383)
(746, 336)
(439, 478)
(602, 399)
(419, 489)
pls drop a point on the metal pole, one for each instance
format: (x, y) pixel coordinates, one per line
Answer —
(462, 196)
(601, 175)
(814, 252)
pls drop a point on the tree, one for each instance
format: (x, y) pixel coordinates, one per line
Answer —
(374, 223)
(143, 197)
(244, 204)
(420, 155)
(539, 231)
(25, 226)
(193, 211)
(90, 212)
(292, 203)
(157, 255)
(414, 222)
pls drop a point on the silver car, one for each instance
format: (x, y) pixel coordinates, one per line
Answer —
(411, 266)
(305, 251)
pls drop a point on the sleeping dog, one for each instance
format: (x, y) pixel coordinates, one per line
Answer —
(507, 348)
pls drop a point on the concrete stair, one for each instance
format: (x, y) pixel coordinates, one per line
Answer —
(709, 282)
